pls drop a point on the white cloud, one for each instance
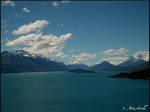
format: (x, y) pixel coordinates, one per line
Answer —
(9, 3)
(115, 52)
(65, 56)
(66, 1)
(84, 57)
(142, 55)
(79, 62)
(25, 40)
(73, 62)
(88, 63)
(55, 4)
(117, 60)
(37, 26)
(37, 43)
(114, 60)
(26, 10)
(61, 55)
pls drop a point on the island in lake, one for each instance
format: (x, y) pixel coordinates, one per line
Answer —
(142, 74)
(81, 71)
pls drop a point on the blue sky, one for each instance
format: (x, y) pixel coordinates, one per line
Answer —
(98, 31)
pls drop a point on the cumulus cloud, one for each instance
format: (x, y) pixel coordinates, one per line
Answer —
(26, 10)
(84, 57)
(9, 3)
(73, 62)
(61, 55)
(115, 52)
(65, 56)
(41, 44)
(79, 62)
(142, 55)
(36, 26)
(25, 40)
(55, 4)
(88, 63)
(66, 1)
(114, 60)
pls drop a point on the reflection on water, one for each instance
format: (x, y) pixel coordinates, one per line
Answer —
(71, 92)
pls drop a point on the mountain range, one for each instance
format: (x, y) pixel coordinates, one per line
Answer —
(132, 62)
(103, 66)
(22, 61)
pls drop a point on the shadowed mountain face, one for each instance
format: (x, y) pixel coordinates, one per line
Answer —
(77, 66)
(132, 62)
(133, 68)
(103, 66)
(22, 61)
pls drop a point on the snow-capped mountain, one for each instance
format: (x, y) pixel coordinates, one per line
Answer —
(22, 61)
(21, 53)
(103, 66)
(16, 52)
(132, 62)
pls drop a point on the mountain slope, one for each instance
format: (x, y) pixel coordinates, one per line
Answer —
(103, 66)
(132, 62)
(77, 66)
(133, 68)
(22, 61)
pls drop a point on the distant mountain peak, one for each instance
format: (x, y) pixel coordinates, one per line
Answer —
(21, 53)
(105, 62)
(132, 62)
(131, 58)
(23, 61)
(77, 65)
(105, 65)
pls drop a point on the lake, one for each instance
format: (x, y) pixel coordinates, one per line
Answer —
(71, 92)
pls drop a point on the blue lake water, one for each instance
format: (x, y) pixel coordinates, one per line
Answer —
(71, 92)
